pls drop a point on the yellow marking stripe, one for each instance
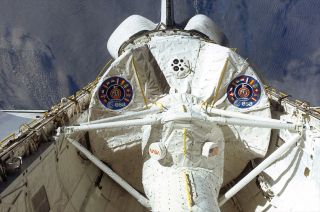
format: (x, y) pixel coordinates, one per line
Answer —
(220, 82)
(188, 190)
(139, 83)
(184, 142)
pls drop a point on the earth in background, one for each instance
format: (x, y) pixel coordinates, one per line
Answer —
(50, 49)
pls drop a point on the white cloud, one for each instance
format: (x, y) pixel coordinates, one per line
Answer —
(302, 79)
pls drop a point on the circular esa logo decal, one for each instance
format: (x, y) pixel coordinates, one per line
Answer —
(244, 91)
(115, 93)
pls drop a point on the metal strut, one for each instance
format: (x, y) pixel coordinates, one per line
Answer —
(241, 120)
(261, 167)
(126, 186)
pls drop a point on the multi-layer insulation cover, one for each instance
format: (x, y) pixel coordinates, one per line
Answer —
(185, 75)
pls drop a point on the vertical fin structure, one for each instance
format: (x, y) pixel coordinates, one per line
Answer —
(167, 13)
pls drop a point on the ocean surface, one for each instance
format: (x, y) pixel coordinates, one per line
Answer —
(50, 48)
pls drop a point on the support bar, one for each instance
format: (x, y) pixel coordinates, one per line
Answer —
(139, 197)
(116, 124)
(234, 114)
(262, 166)
(232, 121)
(124, 117)
(184, 117)
(254, 123)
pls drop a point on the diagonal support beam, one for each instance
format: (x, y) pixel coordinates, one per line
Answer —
(126, 186)
(256, 171)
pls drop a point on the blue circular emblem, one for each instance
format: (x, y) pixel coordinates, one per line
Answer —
(115, 93)
(244, 91)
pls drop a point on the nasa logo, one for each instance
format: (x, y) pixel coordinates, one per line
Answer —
(115, 93)
(154, 152)
(244, 91)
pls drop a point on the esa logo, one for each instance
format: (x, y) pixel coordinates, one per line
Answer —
(115, 93)
(244, 91)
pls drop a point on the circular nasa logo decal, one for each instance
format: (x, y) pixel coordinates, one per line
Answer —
(244, 91)
(115, 93)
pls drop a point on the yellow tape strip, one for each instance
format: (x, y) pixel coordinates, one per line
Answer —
(188, 191)
(220, 82)
(139, 82)
(185, 142)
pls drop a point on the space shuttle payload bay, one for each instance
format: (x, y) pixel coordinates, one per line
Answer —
(177, 122)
